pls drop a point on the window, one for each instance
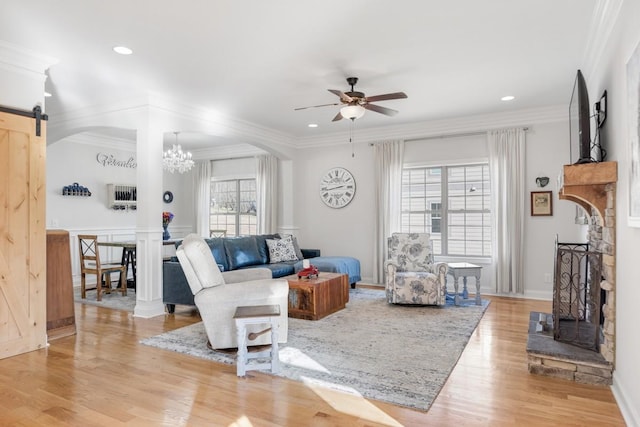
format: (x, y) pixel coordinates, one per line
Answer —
(233, 207)
(452, 203)
(436, 217)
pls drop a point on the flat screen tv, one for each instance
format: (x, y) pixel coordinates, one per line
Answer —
(579, 122)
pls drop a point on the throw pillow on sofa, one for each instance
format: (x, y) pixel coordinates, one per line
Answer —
(242, 252)
(263, 249)
(295, 246)
(281, 250)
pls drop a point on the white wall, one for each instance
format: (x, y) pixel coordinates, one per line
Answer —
(609, 72)
(336, 232)
(546, 152)
(74, 160)
(234, 168)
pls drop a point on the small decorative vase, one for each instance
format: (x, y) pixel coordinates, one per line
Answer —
(165, 233)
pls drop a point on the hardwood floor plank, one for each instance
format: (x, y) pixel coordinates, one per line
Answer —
(102, 376)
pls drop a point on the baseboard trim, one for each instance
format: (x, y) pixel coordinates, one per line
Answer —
(629, 412)
(540, 295)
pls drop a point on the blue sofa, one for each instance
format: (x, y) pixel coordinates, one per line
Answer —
(238, 253)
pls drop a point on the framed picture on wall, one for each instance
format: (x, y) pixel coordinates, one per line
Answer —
(541, 203)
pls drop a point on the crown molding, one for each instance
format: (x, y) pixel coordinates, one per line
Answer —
(477, 123)
(227, 152)
(25, 61)
(174, 115)
(102, 141)
(122, 144)
(410, 131)
(603, 20)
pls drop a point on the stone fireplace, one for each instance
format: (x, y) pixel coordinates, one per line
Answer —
(593, 187)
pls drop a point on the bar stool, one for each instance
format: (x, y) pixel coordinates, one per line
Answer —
(254, 315)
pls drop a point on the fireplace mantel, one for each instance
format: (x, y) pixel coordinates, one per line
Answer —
(586, 184)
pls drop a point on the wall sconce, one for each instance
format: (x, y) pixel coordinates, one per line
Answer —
(542, 181)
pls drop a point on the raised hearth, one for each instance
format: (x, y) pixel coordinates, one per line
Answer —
(552, 358)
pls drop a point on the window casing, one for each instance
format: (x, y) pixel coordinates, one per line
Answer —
(233, 207)
(452, 204)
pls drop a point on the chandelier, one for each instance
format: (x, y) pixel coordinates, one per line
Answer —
(176, 159)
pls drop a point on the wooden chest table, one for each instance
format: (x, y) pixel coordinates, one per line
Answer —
(313, 299)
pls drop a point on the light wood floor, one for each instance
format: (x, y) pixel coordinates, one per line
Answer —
(103, 377)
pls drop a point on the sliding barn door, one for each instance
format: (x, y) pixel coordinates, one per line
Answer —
(23, 275)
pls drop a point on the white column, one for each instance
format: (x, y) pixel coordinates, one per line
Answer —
(286, 223)
(149, 218)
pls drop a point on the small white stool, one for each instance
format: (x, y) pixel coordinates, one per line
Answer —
(254, 315)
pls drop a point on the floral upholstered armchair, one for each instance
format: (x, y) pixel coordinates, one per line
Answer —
(412, 276)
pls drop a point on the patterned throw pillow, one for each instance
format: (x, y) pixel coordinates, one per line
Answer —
(281, 250)
(296, 246)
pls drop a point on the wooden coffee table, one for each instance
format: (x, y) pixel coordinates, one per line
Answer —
(313, 299)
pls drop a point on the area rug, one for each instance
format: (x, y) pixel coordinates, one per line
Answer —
(114, 300)
(398, 354)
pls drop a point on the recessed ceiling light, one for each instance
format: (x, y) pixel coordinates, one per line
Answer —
(122, 50)
(47, 94)
(313, 125)
(508, 98)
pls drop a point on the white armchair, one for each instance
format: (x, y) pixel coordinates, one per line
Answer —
(217, 300)
(412, 276)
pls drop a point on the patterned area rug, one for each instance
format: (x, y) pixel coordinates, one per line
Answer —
(114, 300)
(402, 355)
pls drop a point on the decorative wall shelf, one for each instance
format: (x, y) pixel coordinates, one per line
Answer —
(122, 196)
(75, 189)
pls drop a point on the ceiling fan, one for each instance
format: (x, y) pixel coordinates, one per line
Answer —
(355, 103)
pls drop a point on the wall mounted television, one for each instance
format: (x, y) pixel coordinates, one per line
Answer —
(579, 122)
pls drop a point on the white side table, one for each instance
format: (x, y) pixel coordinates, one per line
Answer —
(464, 269)
(254, 315)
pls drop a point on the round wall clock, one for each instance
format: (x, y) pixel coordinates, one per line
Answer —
(337, 188)
(167, 197)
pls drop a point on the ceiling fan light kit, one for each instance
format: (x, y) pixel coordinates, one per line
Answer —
(352, 112)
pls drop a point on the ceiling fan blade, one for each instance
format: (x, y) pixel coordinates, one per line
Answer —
(343, 96)
(378, 109)
(387, 96)
(315, 106)
(337, 117)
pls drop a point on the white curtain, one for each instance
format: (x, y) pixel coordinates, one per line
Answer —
(202, 185)
(388, 158)
(506, 165)
(267, 194)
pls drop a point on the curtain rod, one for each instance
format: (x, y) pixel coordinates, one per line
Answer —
(448, 135)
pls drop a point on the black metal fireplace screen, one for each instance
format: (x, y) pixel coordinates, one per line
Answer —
(576, 295)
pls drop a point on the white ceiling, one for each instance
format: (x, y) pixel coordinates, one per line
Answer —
(258, 60)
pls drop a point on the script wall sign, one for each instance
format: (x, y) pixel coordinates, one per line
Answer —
(109, 160)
